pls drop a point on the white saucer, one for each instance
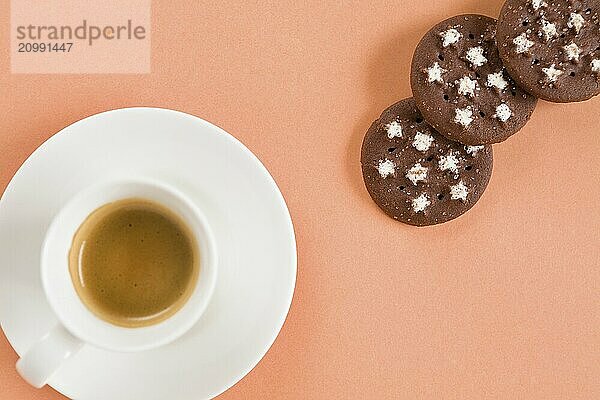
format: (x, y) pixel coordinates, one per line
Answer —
(251, 223)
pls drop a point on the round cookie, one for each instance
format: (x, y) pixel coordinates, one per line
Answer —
(460, 85)
(552, 47)
(416, 175)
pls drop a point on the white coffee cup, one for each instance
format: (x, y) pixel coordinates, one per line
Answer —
(77, 325)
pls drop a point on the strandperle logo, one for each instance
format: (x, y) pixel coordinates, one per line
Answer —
(80, 36)
(84, 32)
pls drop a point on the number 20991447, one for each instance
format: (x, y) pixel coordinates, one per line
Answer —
(27, 47)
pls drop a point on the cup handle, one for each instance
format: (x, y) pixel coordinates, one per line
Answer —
(46, 356)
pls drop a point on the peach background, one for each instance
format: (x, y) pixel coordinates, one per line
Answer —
(502, 303)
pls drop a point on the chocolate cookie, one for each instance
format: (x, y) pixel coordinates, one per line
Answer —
(552, 47)
(416, 175)
(460, 85)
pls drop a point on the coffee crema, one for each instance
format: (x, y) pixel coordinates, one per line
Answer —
(134, 262)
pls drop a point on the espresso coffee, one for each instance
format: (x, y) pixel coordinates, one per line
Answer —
(134, 262)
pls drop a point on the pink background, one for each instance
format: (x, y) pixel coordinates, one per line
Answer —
(502, 303)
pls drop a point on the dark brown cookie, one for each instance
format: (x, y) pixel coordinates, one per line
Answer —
(416, 175)
(552, 47)
(460, 85)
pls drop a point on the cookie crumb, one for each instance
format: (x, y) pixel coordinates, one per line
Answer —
(449, 37)
(464, 116)
(466, 86)
(434, 73)
(576, 21)
(472, 150)
(596, 65)
(552, 73)
(449, 162)
(459, 191)
(386, 168)
(548, 30)
(503, 113)
(497, 80)
(421, 203)
(422, 141)
(523, 44)
(394, 130)
(417, 173)
(475, 56)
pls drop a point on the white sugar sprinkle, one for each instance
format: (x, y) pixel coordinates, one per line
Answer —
(422, 141)
(451, 36)
(434, 73)
(536, 4)
(548, 30)
(572, 51)
(497, 80)
(472, 150)
(394, 129)
(449, 162)
(386, 168)
(552, 73)
(475, 56)
(464, 116)
(523, 44)
(421, 203)
(503, 113)
(417, 173)
(576, 21)
(466, 86)
(459, 191)
(596, 66)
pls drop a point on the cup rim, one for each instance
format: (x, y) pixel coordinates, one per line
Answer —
(92, 329)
